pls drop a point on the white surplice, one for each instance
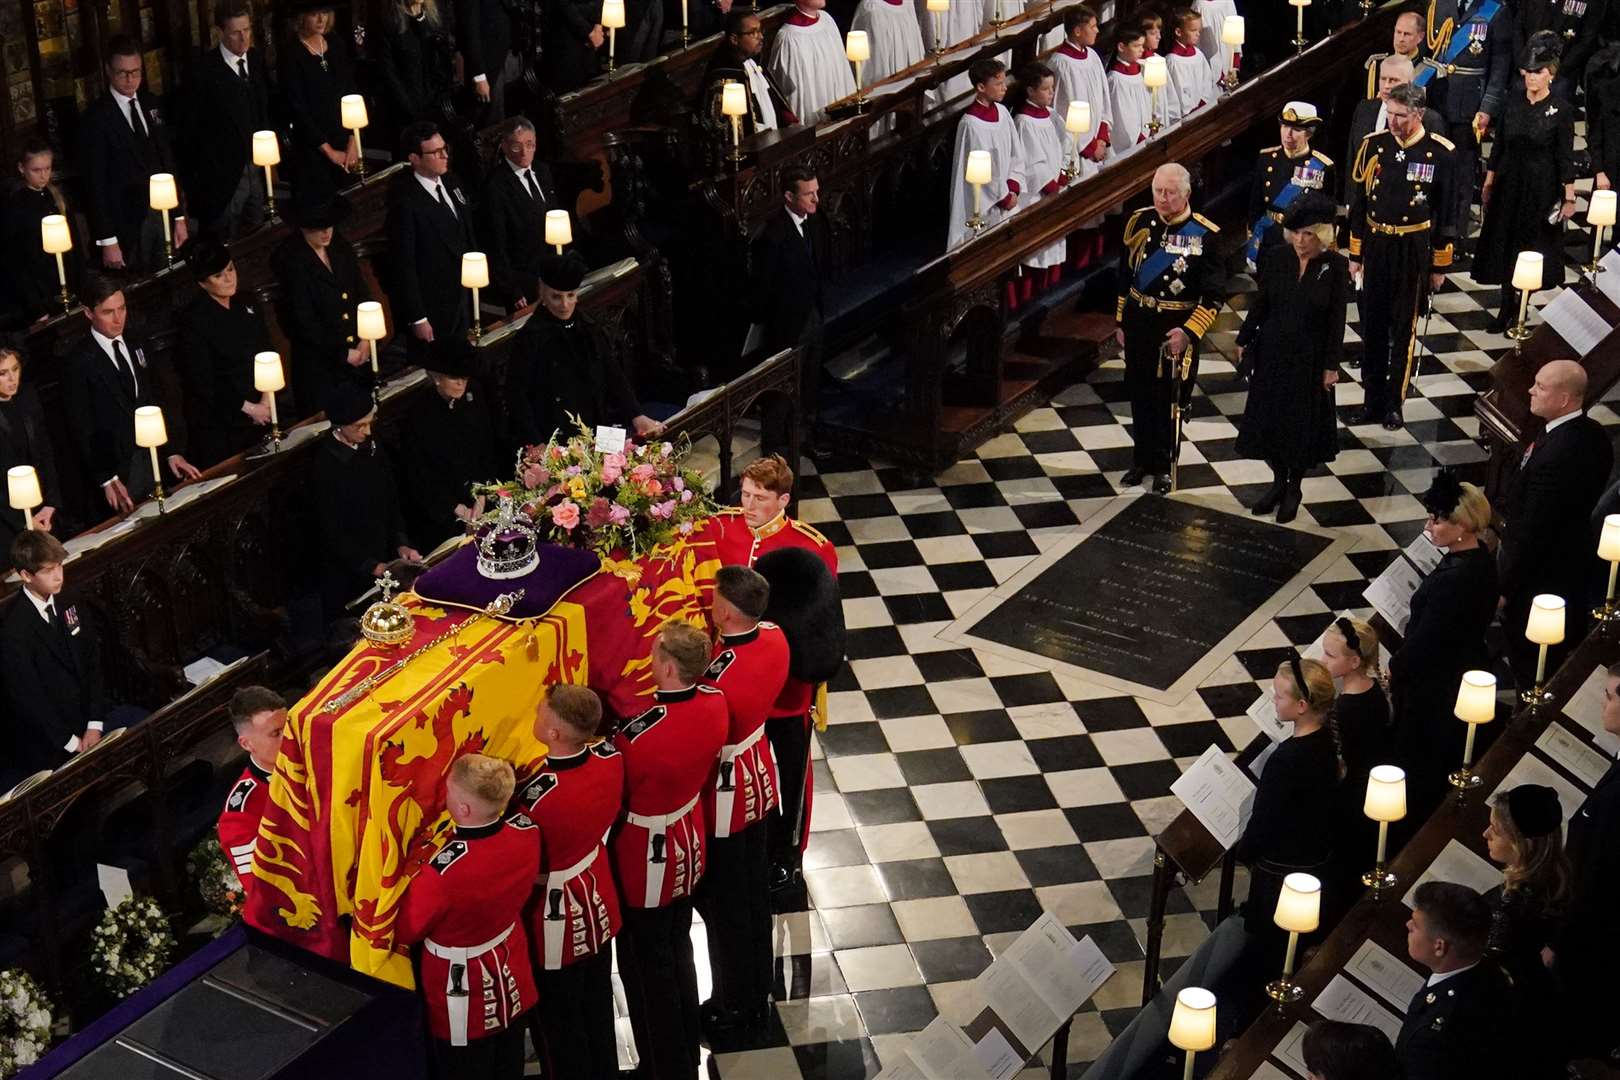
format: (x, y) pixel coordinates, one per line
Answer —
(1214, 13)
(1081, 76)
(1192, 82)
(1045, 147)
(1000, 137)
(964, 20)
(809, 65)
(1132, 105)
(892, 31)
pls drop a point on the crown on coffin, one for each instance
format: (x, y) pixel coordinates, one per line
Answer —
(510, 548)
(387, 622)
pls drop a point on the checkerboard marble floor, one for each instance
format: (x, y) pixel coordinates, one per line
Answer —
(959, 794)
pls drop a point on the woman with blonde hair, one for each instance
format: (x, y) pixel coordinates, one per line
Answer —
(415, 64)
(1361, 730)
(1445, 637)
(316, 71)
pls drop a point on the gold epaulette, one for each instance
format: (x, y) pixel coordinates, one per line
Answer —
(1206, 223)
(1443, 141)
(809, 530)
(728, 511)
(1323, 158)
(1271, 149)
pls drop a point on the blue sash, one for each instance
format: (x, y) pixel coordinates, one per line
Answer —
(1153, 267)
(1459, 41)
(1285, 198)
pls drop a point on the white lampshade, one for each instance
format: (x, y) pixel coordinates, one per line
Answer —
(613, 14)
(161, 193)
(353, 109)
(1545, 626)
(857, 46)
(978, 167)
(939, 7)
(266, 149)
(1300, 3)
(1609, 539)
(149, 429)
(1476, 698)
(22, 487)
(474, 270)
(733, 99)
(1299, 905)
(1232, 31)
(1078, 121)
(267, 373)
(1386, 793)
(1601, 210)
(1192, 1025)
(369, 324)
(54, 235)
(559, 227)
(1154, 72)
(1527, 271)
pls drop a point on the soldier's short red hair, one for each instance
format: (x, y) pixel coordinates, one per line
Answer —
(771, 473)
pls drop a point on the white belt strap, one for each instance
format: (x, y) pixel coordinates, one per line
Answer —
(725, 784)
(455, 990)
(559, 906)
(657, 849)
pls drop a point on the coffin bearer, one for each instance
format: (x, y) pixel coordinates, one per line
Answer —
(258, 715)
(1283, 174)
(1172, 291)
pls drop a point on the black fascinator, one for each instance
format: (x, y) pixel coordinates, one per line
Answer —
(1443, 495)
(1543, 51)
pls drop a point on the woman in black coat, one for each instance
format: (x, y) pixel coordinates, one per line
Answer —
(321, 286)
(1293, 339)
(1529, 187)
(220, 333)
(1445, 637)
(415, 64)
(30, 273)
(1603, 115)
(24, 440)
(315, 73)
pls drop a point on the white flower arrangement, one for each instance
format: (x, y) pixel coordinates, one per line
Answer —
(216, 881)
(25, 1022)
(131, 945)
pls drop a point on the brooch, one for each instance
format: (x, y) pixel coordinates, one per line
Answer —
(1428, 999)
(1180, 265)
(1552, 110)
(1400, 155)
(1176, 287)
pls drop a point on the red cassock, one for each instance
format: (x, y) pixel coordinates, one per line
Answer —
(466, 908)
(574, 801)
(671, 754)
(750, 668)
(239, 821)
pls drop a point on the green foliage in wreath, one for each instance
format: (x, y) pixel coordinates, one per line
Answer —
(215, 878)
(25, 1022)
(131, 946)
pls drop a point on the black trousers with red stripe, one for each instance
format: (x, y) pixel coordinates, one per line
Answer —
(494, 1057)
(573, 1024)
(789, 737)
(734, 900)
(660, 981)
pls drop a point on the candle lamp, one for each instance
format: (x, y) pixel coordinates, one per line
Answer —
(151, 433)
(56, 238)
(1527, 279)
(371, 327)
(1299, 24)
(939, 9)
(734, 103)
(1155, 75)
(22, 491)
(475, 276)
(267, 379)
(163, 196)
(685, 35)
(1476, 705)
(1077, 123)
(1385, 802)
(1600, 215)
(858, 48)
(1192, 1024)
(612, 22)
(1232, 32)
(1544, 627)
(1609, 551)
(267, 155)
(353, 109)
(559, 229)
(977, 173)
(1299, 910)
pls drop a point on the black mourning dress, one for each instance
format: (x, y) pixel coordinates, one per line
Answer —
(1532, 156)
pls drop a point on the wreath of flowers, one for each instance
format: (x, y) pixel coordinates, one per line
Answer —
(215, 878)
(25, 1021)
(626, 503)
(131, 945)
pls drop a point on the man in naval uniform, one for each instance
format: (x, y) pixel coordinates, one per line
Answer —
(1408, 43)
(1171, 290)
(1283, 174)
(1402, 230)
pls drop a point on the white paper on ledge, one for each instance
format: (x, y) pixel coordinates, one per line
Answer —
(1388, 976)
(1569, 750)
(1218, 794)
(1343, 1000)
(1456, 863)
(1572, 318)
(1585, 707)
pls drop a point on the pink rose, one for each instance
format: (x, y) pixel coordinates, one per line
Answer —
(532, 475)
(680, 483)
(643, 472)
(686, 496)
(614, 460)
(565, 515)
(618, 515)
(664, 510)
(599, 513)
(572, 470)
(611, 472)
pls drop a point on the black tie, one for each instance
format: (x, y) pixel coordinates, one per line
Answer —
(241, 67)
(125, 370)
(136, 123)
(444, 200)
(533, 185)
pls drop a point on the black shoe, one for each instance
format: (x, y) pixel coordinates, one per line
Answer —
(1133, 476)
(1268, 502)
(1363, 416)
(781, 877)
(1290, 503)
(1161, 484)
(1392, 420)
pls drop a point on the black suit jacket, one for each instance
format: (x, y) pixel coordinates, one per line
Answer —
(101, 412)
(425, 245)
(216, 356)
(222, 113)
(513, 228)
(570, 61)
(1548, 511)
(1461, 1029)
(1361, 125)
(317, 313)
(52, 680)
(787, 269)
(558, 369)
(24, 440)
(116, 166)
(484, 33)
(1592, 932)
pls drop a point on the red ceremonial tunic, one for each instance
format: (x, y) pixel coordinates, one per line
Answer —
(750, 668)
(574, 800)
(239, 821)
(466, 908)
(671, 754)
